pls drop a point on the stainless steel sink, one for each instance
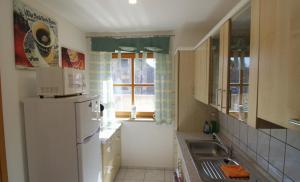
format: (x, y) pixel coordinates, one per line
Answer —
(207, 149)
(208, 156)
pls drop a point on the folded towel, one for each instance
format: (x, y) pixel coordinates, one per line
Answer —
(235, 171)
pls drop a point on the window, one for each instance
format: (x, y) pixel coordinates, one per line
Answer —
(133, 79)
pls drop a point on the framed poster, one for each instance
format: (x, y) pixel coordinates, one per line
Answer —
(72, 59)
(36, 38)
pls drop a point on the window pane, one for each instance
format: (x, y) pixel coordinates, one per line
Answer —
(234, 70)
(122, 97)
(235, 99)
(144, 98)
(245, 67)
(144, 70)
(121, 69)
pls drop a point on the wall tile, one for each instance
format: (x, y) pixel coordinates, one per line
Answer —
(267, 131)
(243, 147)
(236, 141)
(280, 134)
(222, 120)
(226, 122)
(262, 162)
(292, 163)
(236, 128)
(293, 138)
(251, 154)
(244, 132)
(252, 138)
(230, 122)
(278, 175)
(263, 145)
(287, 179)
(277, 150)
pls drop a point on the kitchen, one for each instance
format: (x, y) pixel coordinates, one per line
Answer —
(217, 78)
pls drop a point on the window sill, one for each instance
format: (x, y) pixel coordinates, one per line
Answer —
(136, 120)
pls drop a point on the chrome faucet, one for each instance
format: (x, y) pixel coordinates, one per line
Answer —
(228, 149)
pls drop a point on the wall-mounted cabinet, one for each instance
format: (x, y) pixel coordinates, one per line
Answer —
(229, 67)
(278, 62)
(254, 65)
(239, 62)
(202, 64)
(223, 66)
(214, 89)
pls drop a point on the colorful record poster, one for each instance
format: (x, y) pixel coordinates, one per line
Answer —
(36, 38)
(72, 59)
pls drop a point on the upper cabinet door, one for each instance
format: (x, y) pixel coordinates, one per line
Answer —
(223, 66)
(238, 64)
(202, 63)
(214, 71)
(279, 62)
(253, 70)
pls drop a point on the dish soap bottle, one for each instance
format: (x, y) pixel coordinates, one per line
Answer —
(206, 128)
(133, 112)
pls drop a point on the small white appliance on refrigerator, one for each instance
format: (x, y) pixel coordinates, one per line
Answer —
(62, 139)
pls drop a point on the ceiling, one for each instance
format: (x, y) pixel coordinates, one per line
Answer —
(146, 15)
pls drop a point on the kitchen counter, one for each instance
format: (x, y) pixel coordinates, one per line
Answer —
(192, 172)
(108, 130)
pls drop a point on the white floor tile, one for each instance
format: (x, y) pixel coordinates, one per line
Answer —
(121, 174)
(134, 174)
(131, 180)
(169, 176)
(155, 175)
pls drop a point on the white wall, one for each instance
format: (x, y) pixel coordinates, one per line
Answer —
(18, 84)
(145, 144)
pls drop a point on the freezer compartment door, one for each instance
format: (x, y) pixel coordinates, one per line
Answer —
(87, 118)
(89, 158)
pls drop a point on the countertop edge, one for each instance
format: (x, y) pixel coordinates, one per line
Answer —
(112, 132)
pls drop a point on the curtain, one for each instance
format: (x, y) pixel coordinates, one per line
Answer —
(164, 90)
(101, 83)
(159, 44)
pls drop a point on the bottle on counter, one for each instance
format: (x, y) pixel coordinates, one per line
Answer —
(133, 112)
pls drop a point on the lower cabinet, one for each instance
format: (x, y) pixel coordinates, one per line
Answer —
(181, 170)
(111, 157)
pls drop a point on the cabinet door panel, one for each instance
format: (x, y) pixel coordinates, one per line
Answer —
(224, 57)
(279, 78)
(202, 60)
(253, 71)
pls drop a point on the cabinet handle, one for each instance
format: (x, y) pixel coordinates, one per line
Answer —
(294, 122)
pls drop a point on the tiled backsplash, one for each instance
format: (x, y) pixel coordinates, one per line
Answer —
(275, 150)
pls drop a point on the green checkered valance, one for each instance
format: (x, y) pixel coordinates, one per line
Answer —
(147, 44)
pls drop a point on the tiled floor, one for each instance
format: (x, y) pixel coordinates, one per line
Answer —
(144, 175)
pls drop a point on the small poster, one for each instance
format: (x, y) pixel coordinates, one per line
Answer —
(36, 38)
(72, 59)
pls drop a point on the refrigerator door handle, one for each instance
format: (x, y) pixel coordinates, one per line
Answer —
(87, 139)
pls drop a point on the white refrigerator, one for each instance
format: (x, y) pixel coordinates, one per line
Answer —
(62, 139)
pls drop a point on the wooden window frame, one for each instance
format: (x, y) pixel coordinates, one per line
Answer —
(132, 56)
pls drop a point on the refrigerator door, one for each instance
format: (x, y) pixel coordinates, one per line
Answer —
(87, 118)
(89, 158)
